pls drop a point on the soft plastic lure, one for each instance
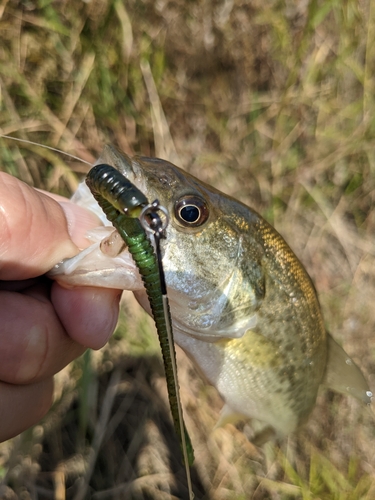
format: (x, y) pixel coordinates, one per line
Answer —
(129, 211)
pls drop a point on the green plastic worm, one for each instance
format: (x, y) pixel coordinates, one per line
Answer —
(123, 203)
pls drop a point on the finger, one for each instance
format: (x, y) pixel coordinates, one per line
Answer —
(34, 231)
(17, 286)
(88, 314)
(34, 344)
(79, 219)
(22, 406)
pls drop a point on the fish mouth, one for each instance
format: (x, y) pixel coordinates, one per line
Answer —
(93, 266)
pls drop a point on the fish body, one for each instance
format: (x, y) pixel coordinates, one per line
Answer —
(243, 307)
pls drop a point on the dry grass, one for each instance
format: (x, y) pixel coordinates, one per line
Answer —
(271, 101)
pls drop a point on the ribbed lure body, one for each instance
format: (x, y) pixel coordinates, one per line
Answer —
(122, 203)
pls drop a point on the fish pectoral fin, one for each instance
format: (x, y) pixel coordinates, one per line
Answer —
(263, 432)
(228, 416)
(262, 437)
(343, 375)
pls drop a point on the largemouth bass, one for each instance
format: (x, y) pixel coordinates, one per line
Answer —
(243, 307)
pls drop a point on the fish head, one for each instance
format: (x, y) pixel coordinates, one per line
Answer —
(211, 263)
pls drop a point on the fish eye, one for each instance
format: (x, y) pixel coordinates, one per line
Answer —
(191, 211)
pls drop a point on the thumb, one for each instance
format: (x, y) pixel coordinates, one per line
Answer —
(36, 231)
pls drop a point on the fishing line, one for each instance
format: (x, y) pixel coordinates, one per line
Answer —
(26, 141)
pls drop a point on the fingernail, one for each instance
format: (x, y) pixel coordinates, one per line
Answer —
(79, 221)
(114, 306)
(111, 316)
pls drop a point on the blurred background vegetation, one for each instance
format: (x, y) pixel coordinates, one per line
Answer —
(271, 101)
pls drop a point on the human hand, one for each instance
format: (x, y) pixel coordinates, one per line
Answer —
(42, 325)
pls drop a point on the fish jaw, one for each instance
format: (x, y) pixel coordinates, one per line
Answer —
(93, 267)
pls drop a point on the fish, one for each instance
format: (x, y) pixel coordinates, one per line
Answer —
(243, 307)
